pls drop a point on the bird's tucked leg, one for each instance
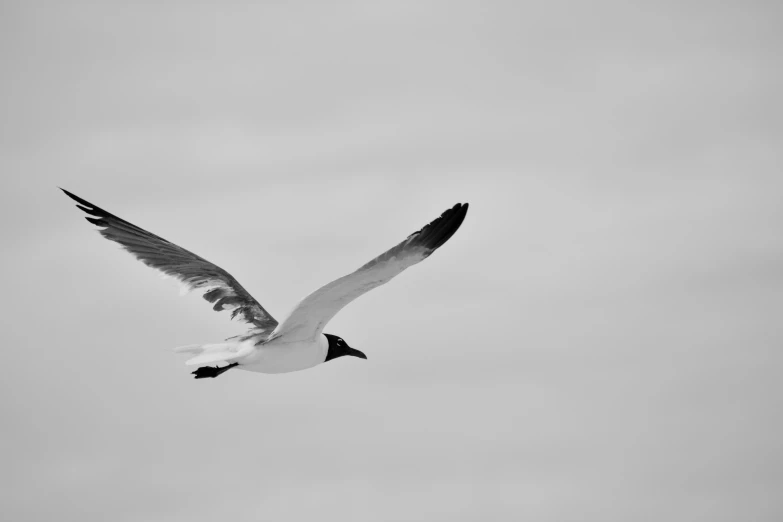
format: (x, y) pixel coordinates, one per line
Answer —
(212, 371)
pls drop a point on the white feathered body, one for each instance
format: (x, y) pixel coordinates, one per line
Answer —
(278, 356)
(275, 356)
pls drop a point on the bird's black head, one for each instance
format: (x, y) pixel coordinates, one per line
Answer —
(338, 347)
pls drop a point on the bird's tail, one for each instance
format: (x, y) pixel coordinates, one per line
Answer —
(215, 353)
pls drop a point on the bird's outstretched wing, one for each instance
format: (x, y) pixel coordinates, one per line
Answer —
(195, 272)
(310, 316)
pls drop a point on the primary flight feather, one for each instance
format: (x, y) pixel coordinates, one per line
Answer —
(297, 342)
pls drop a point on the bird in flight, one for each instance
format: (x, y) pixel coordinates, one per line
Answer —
(269, 346)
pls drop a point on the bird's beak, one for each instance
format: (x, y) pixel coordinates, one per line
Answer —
(357, 353)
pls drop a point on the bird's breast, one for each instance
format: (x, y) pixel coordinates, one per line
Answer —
(279, 356)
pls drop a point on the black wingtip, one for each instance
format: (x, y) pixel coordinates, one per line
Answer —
(77, 198)
(72, 196)
(87, 207)
(97, 221)
(434, 235)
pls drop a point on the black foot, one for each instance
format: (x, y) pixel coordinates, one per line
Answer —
(212, 371)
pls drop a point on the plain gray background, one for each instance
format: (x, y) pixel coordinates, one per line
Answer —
(601, 341)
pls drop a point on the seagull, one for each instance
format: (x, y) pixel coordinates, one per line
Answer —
(269, 346)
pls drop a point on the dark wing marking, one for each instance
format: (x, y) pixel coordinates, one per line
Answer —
(310, 316)
(195, 272)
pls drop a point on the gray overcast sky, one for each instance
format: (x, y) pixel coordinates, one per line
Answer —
(601, 341)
